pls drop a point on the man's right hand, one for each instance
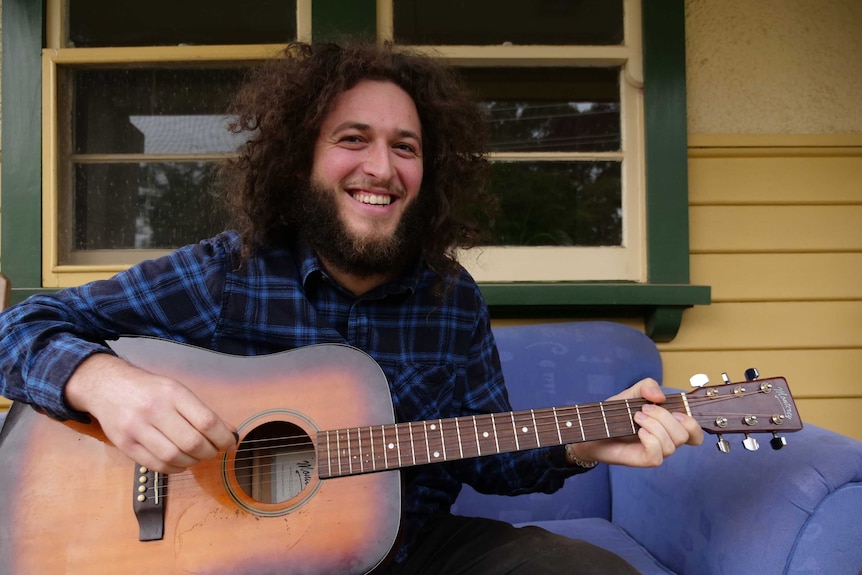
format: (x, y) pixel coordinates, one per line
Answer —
(156, 421)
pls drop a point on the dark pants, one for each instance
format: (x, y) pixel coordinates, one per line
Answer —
(453, 545)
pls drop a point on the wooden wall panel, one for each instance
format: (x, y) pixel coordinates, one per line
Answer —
(841, 415)
(779, 277)
(771, 228)
(795, 179)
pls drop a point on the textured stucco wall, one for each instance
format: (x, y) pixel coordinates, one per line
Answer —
(774, 66)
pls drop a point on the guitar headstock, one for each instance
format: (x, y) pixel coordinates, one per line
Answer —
(753, 406)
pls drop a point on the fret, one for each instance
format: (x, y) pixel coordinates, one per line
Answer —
(515, 432)
(605, 419)
(442, 439)
(631, 417)
(580, 423)
(398, 445)
(458, 435)
(496, 435)
(557, 426)
(535, 428)
(476, 431)
(385, 447)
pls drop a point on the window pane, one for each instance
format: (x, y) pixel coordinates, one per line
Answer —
(558, 203)
(98, 23)
(141, 110)
(144, 205)
(550, 109)
(488, 22)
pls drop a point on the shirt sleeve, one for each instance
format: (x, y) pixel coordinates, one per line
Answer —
(536, 470)
(46, 337)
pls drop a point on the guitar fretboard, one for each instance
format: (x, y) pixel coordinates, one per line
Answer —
(357, 450)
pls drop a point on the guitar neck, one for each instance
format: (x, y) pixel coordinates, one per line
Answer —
(357, 450)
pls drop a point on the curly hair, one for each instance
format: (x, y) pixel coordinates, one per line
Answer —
(283, 104)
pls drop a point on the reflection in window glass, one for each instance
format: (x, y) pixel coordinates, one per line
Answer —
(550, 109)
(101, 23)
(488, 22)
(558, 203)
(125, 111)
(145, 205)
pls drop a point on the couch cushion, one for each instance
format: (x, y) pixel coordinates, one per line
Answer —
(607, 536)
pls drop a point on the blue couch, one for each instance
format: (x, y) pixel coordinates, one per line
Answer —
(793, 511)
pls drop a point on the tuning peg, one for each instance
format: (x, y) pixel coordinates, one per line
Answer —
(723, 444)
(777, 442)
(751, 374)
(725, 379)
(750, 443)
(699, 380)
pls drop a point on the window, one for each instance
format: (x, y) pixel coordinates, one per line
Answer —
(542, 68)
(139, 126)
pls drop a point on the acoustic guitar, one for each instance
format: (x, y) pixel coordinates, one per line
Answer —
(313, 487)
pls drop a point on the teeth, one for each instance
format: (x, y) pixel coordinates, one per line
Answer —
(373, 199)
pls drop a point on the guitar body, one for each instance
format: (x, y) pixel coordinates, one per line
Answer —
(69, 494)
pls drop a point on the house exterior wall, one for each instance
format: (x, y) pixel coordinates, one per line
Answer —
(775, 191)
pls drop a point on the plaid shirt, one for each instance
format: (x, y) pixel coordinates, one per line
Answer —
(438, 355)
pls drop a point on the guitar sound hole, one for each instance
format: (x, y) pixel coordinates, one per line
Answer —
(274, 462)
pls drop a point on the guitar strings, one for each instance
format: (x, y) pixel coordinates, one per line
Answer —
(546, 422)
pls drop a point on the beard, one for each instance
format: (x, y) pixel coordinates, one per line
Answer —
(321, 226)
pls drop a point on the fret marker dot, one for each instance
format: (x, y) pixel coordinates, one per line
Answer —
(485, 434)
(433, 427)
(391, 446)
(568, 424)
(524, 429)
(436, 454)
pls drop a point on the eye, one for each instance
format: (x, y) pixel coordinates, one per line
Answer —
(406, 149)
(351, 139)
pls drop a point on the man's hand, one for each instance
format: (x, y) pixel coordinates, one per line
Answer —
(154, 420)
(660, 433)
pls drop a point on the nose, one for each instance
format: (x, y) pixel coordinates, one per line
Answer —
(378, 163)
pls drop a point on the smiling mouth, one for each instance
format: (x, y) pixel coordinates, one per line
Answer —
(372, 199)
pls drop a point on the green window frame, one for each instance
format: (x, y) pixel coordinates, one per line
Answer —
(660, 300)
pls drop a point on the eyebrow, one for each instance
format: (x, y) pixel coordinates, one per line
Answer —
(402, 133)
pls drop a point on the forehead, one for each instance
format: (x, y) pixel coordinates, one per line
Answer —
(378, 104)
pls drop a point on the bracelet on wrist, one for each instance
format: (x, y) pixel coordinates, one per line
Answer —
(577, 461)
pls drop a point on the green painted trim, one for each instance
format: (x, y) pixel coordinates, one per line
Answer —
(332, 20)
(21, 240)
(666, 141)
(587, 294)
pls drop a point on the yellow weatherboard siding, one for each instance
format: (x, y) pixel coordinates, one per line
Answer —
(776, 230)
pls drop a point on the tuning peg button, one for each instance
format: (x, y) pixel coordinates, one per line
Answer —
(699, 380)
(750, 443)
(777, 442)
(723, 444)
(751, 374)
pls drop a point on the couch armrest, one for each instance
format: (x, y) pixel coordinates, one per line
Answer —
(795, 510)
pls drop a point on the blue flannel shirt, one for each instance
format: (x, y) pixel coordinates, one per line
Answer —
(439, 356)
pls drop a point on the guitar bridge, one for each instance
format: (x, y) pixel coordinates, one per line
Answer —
(148, 501)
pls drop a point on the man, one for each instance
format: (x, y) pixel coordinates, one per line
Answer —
(355, 189)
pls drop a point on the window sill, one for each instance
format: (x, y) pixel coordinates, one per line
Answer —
(661, 305)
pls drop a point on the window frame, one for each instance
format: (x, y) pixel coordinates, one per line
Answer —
(660, 299)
